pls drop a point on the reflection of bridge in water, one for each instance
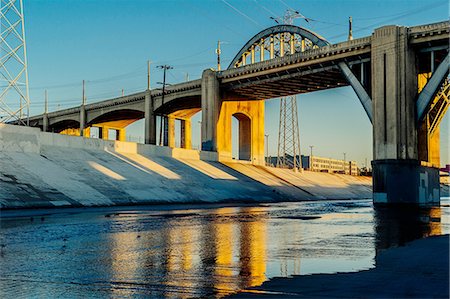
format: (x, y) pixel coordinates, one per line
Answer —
(229, 249)
(195, 252)
(398, 74)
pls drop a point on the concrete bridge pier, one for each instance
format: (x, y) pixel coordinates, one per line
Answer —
(217, 116)
(169, 131)
(398, 175)
(211, 105)
(150, 120)
(45, 122)
(186, 134)
(82, 120)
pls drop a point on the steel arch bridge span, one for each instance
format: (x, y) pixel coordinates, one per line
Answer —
(277, 41)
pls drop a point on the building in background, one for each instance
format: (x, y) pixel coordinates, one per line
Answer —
(315, 163)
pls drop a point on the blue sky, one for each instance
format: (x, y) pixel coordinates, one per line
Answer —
(107, 43)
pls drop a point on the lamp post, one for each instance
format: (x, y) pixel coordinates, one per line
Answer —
(200, 136)
(310, 158)
(345, 172)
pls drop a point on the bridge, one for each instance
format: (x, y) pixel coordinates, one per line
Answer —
(398, 73)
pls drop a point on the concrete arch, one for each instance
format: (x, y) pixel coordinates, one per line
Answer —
(245, 136)
(120, 118)
(250, 115)
(316, 39)
(65, 125)
(177, 104)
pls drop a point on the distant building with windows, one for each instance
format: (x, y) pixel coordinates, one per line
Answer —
(315, 163)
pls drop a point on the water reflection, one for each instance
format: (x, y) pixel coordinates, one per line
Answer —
(193, 256)
(189, 253)
(252, 257)
(396, 226)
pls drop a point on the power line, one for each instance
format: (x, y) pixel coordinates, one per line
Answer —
(397, 14)
(241, 13)
(412, 12)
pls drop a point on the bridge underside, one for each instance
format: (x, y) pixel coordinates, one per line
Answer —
(289, 82)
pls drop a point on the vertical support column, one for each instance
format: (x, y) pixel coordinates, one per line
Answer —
(82, 120)
(292, 45)
(281, 44)
(45, 122)
(104, 133)
(253, 54)
(261, 50)
(211, 105)
(272, 47)
(150, 120)
(171, 131)
(398, 176)
(394, 88)
(186, 133)
(121, 134)
(165, 130)
(100, 132)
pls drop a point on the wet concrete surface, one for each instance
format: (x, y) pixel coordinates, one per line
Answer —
(193, 251)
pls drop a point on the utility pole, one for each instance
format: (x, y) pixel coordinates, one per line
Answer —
(46, 102)
(218, 51)
(267, 149)
(148, 74)
(350, 30)
(83, 99)
(164, 68)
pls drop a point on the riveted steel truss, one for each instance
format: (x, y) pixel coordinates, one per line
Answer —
(277, 41)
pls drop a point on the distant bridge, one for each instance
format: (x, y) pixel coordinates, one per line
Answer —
(398, 74)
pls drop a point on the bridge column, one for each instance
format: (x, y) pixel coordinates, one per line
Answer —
(398, 176)
(45, 122)
(103, 133)
(82, 120)
(121, 134)
(171, 131)
(250, 115)
(211, 104)
(186, 130)
(150, 120)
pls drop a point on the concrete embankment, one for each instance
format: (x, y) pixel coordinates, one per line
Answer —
(40, 169)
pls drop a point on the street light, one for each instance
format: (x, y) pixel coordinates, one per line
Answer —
(310, 158)
(345, 172)
(200, 138)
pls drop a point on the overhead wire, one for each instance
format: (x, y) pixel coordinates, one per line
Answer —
(400, 16)
(213, 19)
(241, 13)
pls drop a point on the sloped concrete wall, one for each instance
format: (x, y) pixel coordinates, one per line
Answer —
(44, 170)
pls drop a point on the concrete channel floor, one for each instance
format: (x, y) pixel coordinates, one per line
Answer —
(418, 270)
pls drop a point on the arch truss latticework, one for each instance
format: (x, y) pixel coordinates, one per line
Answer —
(277, 41)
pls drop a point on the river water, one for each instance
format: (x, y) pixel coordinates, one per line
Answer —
(193, 251)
